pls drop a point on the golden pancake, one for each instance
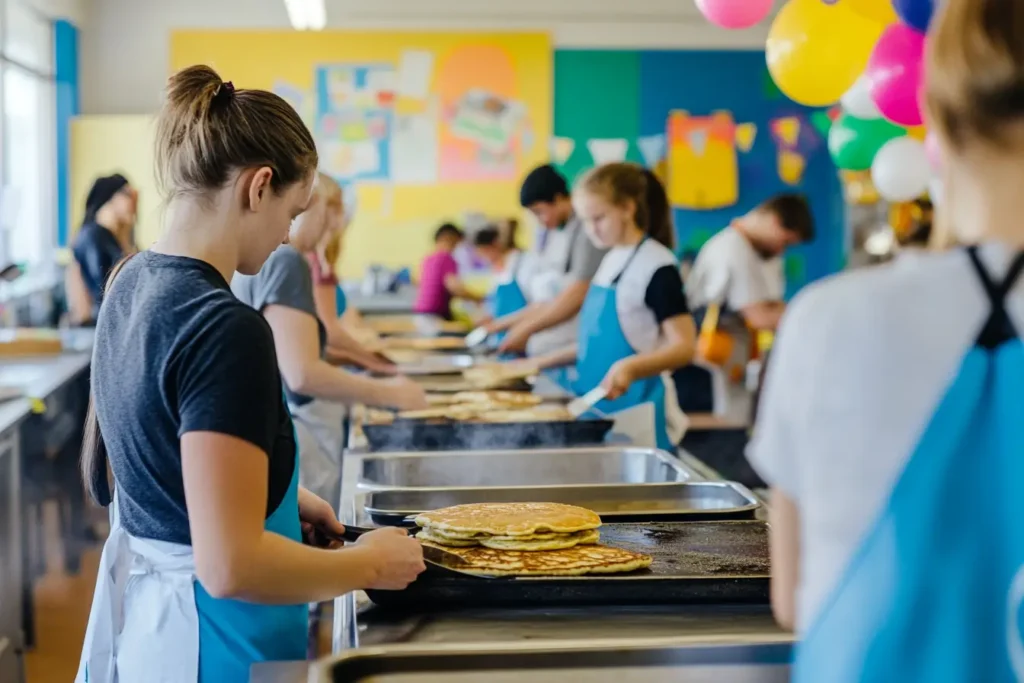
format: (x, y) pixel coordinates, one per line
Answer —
(541, 542)
(424, 343)
(549, 413)
(583, 559)
(510, 519)
(499, 398)
(493, 376)
(427, 535)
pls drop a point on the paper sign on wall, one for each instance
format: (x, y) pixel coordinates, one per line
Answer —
(746, 134)
(787, 130)
(791, 166)
(608, 151)
(703, 170)
(415, 71)
(561, 149)
(414, 150)
(652, 148)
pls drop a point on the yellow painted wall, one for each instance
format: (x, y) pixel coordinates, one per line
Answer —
(395, 223)
(101, 145)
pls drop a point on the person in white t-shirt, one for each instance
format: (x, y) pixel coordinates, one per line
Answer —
(634, 327)
(890, 428)
(740, 270)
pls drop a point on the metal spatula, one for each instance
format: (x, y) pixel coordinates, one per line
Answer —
(477, 337)
(438, 560)
(585, 403)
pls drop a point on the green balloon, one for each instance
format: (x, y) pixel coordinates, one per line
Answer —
(854, 142)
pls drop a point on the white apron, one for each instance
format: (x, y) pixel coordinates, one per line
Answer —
(144, 600)
(320, 435)
(552, 277)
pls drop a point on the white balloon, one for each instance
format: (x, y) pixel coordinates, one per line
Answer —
(900, 170)
(857, 100)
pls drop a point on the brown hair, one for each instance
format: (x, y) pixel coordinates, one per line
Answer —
(622, 182)
(793, 213)
(206, 131)
(975, 67)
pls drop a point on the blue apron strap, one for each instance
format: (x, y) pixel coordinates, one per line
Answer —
(998, 328)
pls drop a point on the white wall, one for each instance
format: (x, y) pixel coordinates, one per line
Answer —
(125, 42)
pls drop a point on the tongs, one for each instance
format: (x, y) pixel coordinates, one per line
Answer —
(438, 560)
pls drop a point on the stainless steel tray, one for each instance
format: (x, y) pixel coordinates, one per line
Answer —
(596, 662)
(614, 502)
(534, 468)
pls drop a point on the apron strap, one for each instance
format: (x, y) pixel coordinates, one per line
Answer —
(998, 327)
(629, 261)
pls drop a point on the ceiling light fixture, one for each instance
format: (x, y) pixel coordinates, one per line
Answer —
(306, 15)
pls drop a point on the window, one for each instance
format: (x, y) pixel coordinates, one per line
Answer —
(28, 220)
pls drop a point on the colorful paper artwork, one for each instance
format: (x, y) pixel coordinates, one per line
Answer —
(791, 160)
(652, 149)
(354, 119)
(746, 134)
(561, 149)
(484, 126)
(607, 151)
(703, 170)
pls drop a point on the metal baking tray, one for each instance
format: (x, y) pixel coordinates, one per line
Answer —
(694, 563)
(711, 500)
(423, 435)
(597, 662)
(453, 383)
(534, 468)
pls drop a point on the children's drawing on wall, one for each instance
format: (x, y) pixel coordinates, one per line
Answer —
(302, 101)
(485, 128)
(703, 169)
(354, 120)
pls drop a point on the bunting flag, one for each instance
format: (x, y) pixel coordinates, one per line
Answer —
(746, 134)
(561, 149)
(786, 130)
(791, 166)
(652, 148)
(608, 151)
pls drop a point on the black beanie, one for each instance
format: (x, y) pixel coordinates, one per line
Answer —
(102, 191)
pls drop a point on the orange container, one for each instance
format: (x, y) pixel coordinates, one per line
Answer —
(714, 345)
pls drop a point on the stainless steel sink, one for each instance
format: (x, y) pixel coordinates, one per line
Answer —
(521, 468)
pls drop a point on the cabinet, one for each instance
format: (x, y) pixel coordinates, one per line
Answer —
(11, 565)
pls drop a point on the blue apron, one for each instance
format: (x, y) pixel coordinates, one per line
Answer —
(233, 635)
(340, 301)
(508, 297)
(601, 344)
(934, 592)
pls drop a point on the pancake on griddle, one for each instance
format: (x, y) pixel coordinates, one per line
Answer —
(533, 542)
(583, 559)
(509, 519)
(539, 413)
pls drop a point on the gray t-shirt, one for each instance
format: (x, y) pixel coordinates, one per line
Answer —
(585, 257)
(284, 280)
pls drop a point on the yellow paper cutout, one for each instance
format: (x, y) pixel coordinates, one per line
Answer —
(746, 133)
(703, 170)
(791, 167)
(788, 130)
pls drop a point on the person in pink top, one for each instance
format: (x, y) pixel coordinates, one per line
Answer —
(439, 275)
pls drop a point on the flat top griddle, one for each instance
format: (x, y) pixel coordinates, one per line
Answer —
(426, 435)
(694, 562)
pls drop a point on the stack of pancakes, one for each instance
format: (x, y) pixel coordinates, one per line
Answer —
(509, 539)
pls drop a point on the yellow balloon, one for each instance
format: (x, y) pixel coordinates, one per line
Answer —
(815, 51)
(878, 10)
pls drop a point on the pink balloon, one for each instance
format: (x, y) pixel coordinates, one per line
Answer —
(933, 150)
(896, 74)
(734, 13)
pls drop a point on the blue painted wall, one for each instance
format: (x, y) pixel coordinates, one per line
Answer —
(65, 41)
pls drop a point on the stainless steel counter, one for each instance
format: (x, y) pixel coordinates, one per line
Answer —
(358, 623)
